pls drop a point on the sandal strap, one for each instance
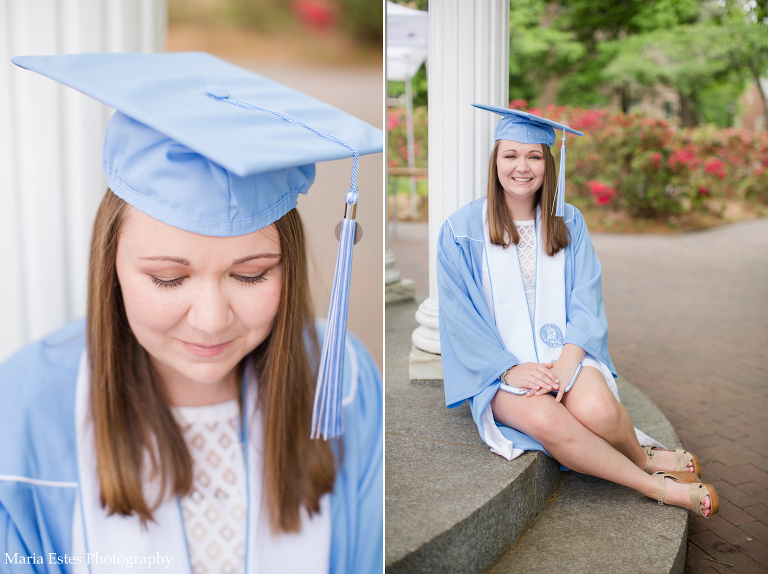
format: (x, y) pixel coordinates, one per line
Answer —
(696, 492)
(662, 486)
(682, 458)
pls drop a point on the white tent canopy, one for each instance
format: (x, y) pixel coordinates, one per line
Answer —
(407, 41)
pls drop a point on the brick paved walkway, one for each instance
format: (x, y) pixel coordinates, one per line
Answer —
(688, 317)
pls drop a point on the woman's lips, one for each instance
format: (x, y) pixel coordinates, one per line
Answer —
(205, 350)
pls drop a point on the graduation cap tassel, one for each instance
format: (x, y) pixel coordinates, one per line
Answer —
(560, 193)
(326, 412)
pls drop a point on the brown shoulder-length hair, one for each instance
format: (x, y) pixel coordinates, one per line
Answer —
(136, 436)
(501, 228)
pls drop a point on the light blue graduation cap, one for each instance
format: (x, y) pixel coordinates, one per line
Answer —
(211, 148)
(527, 128)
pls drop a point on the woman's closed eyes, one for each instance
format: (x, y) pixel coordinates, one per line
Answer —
(178, 281)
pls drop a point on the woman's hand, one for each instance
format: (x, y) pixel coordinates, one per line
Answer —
(566, 366)
(564, 372)
(537, 377)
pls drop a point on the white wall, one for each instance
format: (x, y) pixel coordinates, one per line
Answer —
(51, 180)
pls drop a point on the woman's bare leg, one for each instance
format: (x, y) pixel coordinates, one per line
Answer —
(592, 403)
(577, 447)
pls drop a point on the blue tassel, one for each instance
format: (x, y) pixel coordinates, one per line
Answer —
(560, 193)
(326, 412)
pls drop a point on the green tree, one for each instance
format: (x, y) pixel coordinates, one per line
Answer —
(706, 51)
(680, 57)
(537, 48)
(743, 43)
(603, 27)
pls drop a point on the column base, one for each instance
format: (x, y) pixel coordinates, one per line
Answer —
(400, 290)
(423, 366)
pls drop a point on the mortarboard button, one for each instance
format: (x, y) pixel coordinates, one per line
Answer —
(217, 91)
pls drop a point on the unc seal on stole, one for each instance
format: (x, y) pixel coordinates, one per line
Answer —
(551, 335)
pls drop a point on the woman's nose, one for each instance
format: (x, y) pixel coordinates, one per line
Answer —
(521, 165)
(210, 311)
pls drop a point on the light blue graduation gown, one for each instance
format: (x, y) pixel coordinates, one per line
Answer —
(39, 469)
(473, 354)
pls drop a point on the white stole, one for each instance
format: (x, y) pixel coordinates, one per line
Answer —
(542, 341)
(115, 537)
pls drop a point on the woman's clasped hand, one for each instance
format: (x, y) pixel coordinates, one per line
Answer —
(537, 377)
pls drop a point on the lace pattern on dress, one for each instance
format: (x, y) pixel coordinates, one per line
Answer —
(526, 251)
(215, 510)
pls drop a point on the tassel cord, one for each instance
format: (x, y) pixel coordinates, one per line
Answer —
(558, 204)
(326, 411)
(294, 120)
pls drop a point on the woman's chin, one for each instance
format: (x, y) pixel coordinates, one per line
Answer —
(208, 374)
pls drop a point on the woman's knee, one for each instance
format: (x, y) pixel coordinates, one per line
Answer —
(600, 414)
(539, 417)
(546, 423)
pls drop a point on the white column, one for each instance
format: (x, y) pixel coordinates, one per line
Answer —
(391, 275)
(469, 62)
(51, 180)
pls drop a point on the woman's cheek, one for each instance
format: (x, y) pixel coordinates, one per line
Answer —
(150, 308)
(259, 309)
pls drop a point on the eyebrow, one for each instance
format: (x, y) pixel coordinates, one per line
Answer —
(257, 256)
(187, 263)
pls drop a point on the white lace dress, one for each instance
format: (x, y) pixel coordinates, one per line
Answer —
(214, 512)
(526, 251)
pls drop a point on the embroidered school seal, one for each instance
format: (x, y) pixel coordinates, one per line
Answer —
(551, 335)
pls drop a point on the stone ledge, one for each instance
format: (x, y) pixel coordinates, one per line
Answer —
(591, 525)
(453, 506)
(445, 490)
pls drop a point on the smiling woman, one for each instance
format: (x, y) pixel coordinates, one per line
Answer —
(176, 420)
(523, 330)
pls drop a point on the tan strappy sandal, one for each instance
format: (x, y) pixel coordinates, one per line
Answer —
(682, 458)
(696, 492)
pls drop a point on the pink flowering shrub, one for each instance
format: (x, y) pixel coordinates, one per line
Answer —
(317, 15)
(651, 168)
(602, 192)
(647, 167)
(397, 153)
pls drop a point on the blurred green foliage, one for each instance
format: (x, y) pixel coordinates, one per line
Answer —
(362, 19)
(418, 85)
(601, 51)
(263, 15)
(535, 51)
(705, 50)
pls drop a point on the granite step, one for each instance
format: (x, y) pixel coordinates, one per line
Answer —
(453, 506)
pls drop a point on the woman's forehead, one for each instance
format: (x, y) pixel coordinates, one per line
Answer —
(505, 145)
(141, 232)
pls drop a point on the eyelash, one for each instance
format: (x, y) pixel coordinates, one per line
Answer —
(165, 284)
(514, 157)
(179, 280)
